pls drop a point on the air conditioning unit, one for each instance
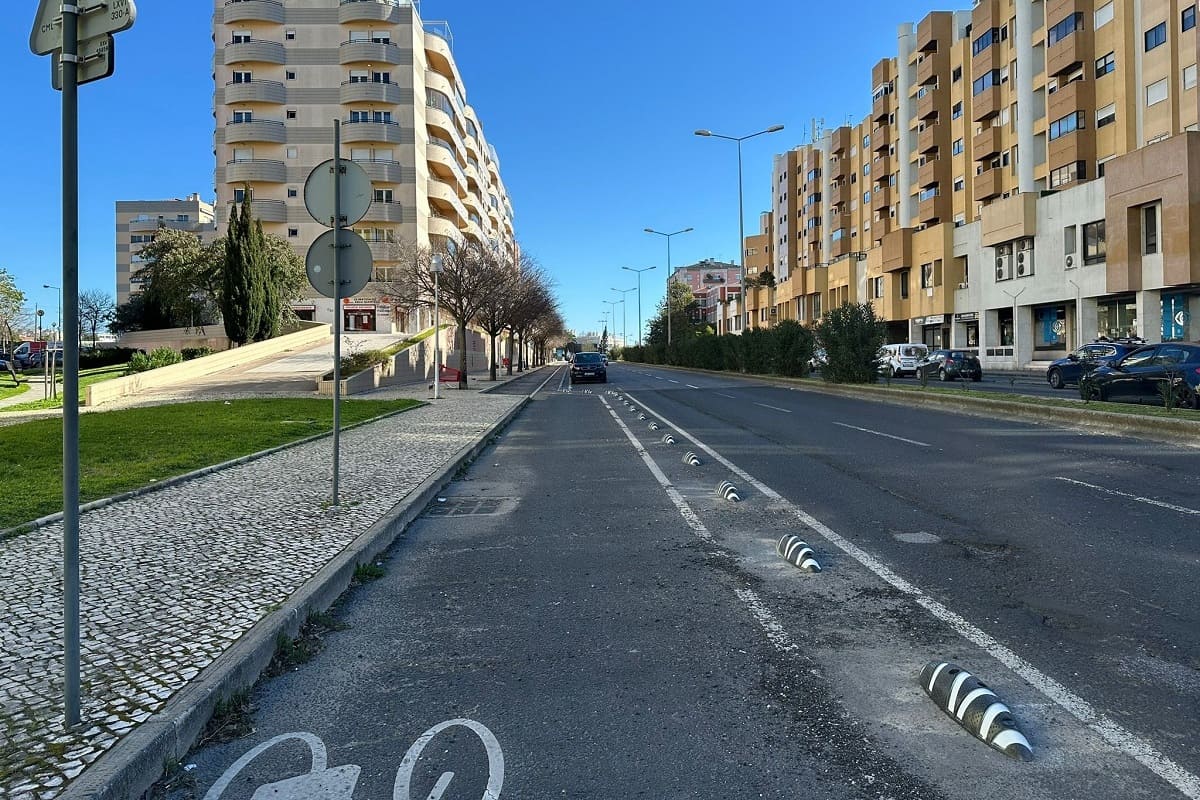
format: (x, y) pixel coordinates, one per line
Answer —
(774, 311)
(1025, 258)
(1070, 262)
(1004, 262)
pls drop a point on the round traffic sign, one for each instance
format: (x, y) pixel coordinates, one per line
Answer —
(355, 190)
(354, 270)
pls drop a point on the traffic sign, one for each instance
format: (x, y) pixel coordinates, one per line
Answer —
(99, 19)
(355, 188)
(97, 58)
(354, 269)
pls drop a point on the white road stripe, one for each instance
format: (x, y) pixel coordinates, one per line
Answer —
(673, 380)
(1147, 500)
(731, 397)
(886, 435)
(538, 389)
(690, 386)
(1119, 737)
(774, 408)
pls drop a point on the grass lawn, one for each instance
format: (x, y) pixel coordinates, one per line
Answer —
(134, 447)
(9, 391)
(86, 378)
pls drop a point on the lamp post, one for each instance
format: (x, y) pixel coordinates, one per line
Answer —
(624, 329)
(435, 266)
(639, 290)
(741, 212)
(613, 311)
(668, 236)
(614, 303)
(1016, 329)
(50, 356)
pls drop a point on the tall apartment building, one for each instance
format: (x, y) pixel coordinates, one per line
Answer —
(1024, 182)
(286, 69)
(137, 224)
(717, 287)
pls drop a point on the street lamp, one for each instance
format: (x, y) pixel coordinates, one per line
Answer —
(639, 288)
(741, 213)
(613, 311)
(668, 238)
(50, 355)
(435, 266)
(624, 329)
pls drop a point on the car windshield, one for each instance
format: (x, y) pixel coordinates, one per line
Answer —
(588, 358)
(912, 352)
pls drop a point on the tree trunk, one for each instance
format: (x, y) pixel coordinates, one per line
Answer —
(462, 355)
(510, 351)
(492, 368)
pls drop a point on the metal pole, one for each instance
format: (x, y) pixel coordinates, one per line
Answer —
(337, 304)
(70, 180)
(437, 338)
(668, 303)
(741, 238)
(639, 308)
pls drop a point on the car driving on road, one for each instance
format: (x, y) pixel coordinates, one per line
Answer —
(589, 367)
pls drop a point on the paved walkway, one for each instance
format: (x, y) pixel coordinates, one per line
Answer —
(172, 578)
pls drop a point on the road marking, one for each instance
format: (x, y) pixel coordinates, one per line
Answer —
(1119, 737)
(672, 380)
(731, 397)
(550, 378)
(690, 386)
(774, 408)
(659, 378)
(887, 435)
(1147, 500)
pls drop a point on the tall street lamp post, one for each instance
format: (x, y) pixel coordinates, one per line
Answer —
(624, 329)
(613, 312)
(639, 290)
(741, 212)
(668, 303)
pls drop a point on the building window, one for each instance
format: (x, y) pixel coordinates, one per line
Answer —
(1076, 171)
(292, 152)
(1068, 124)
(984, 41)
(927, 276)
(1069, 242)
(1106, 115)
(1105, 65)
(904, 283)
(1156, 92)
(1189, 76)
(956, 147)
(1093, 242)
(291, 113)
(1150, 229)
(985, 82)
(1189, 17)
(956, 75)
(293, 192)
(959, 184)
(1104, 15)
(290, 36)
(1156, 36)
(243, 77)
(1064, 29)
(293, 233)
(956, 110)
(290, 75)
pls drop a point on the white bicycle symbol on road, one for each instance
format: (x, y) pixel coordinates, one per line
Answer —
(323, 783)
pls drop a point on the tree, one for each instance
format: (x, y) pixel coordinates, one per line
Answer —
(11, 300)
(96, 308)
(287, 276)
(851, 335)
(683, 303)
(242, 286)
(268, 324)
(534, 299)
(496, 308)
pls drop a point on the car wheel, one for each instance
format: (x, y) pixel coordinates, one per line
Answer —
(1055, 378)
(942, 375)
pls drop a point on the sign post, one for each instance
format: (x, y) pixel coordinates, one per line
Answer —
(81, 44)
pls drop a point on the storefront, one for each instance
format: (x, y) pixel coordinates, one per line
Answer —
(1116, 317)
(935, 332)
(358, 318)
(1050, 332)
(1176, 318)
(966, 330)
(306, 313)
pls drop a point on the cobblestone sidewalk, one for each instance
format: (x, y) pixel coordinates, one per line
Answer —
(173, 578)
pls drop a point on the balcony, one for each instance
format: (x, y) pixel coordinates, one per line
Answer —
(897, 250)
(843, 219)
(881, 108)
(841, 140)
(383, 250)
(363, 131)
(384, 212)
(987, 143)
(929, 173)
(989, 184)
(927, 106)
(881, 199)
(255, 171)
(269, 210)
(354, 52)
(443, 228)
(371, 92)
(1067, 54)
(252, 11)
(986, 104)
(255, 130)
(840, 194)
(927, 140)
(254, 50)
(881, 165)
(383, 171)
(931, 67)
(373, 11)
(930, 210)
(881, 138)
(255, 92)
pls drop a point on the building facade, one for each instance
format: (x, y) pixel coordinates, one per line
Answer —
(138, 222)
(286, 69)
(1026, 181)
(716, 287)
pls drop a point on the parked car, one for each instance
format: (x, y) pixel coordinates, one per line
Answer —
(1087, 358)
(1143, 374)
(949, 365)
(901, 359)
(589, 367)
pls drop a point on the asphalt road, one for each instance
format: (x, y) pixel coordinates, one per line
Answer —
(610, 627)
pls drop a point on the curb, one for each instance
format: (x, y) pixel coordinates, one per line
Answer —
(134, 764)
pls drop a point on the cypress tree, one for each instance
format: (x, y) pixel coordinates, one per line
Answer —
(235, 299)
(268, 325)
(252, 255)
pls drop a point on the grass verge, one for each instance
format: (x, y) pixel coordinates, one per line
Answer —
(86, 378)
(12, 391)
(134, 447)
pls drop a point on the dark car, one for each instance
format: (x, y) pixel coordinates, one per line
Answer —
(949, 365)
(1143, 375)
(589, 367)
(1087, 358)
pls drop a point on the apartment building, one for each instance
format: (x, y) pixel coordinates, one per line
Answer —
(138, 222)
(717, 287)
(1025, 182)
(286, 69)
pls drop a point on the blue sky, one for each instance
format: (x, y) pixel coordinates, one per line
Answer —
(591, 107)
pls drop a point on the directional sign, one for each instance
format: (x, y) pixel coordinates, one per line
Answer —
(95, 20)
(96, 61)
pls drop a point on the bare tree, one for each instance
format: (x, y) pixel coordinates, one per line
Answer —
(96, 308)
(547, 328)
(496, 309)
(533, 298)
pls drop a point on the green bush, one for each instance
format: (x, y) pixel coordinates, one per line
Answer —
(189, 353)
(359, 362)
(139, 362)
(105, 357)
(781, 350)
(851, 335)
(794, 345)
(163, 357)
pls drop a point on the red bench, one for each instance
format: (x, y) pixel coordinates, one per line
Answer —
(449, 375)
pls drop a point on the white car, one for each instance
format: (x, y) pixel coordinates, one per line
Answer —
(901, 359)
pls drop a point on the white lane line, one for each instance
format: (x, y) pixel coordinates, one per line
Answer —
(1147, 500)
(659, 378)
(774, 408)
(690, 386)
(548, 379)
(731, 397)
(673, 380)
(886, 435)
(1141, 750)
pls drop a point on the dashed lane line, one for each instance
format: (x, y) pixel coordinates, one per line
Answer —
(1148, 500)
(885, 435)
(690, 386)
(774, 408)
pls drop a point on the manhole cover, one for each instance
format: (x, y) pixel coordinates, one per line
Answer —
(464, 507)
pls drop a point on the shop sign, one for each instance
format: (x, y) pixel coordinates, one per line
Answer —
(969, 316)
(936, 319)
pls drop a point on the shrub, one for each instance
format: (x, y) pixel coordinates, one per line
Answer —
(794, 345)
(358, 362)
(139, 362)
(106, 357)
(851, 335)
(189, 353)
(163, 357)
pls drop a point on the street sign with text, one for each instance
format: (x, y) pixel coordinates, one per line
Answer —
(96, 61)
(95, 20)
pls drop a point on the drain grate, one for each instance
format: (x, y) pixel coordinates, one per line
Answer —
(464, 507)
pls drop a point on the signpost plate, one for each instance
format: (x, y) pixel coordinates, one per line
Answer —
(355, 267)
(355, 191)
(98, 19)
(97, 59)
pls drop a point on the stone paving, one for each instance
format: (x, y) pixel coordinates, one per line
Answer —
(172, 578)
